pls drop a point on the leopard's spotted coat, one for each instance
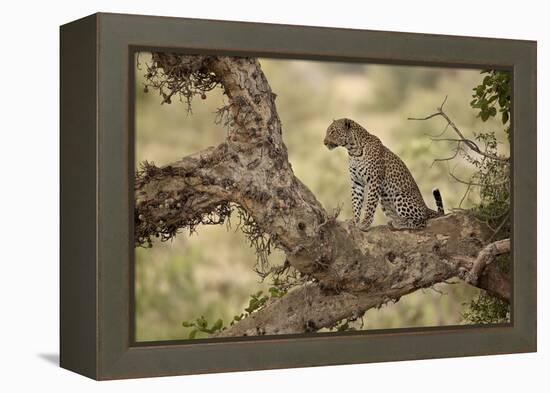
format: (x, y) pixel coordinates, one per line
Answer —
(384, 176)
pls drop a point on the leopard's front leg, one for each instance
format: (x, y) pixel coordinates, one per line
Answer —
(371, 201)
(357, 190)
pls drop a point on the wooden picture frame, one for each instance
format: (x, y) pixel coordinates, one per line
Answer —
(97, 196)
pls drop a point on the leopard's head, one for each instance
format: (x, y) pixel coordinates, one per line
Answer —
(339, 133)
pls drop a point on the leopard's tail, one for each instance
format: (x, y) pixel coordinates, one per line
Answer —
(438, 202)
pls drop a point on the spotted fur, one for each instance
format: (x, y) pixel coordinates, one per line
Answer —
(378, 175)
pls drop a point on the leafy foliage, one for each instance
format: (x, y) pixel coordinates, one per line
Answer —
(487, 309)
(257, 301)
(494, 89)
(492, 178)
(346, 325)
(201, 325)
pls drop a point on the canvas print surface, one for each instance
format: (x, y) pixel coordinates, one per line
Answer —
(286, 196)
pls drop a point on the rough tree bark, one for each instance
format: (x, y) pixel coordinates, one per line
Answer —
(350, 270)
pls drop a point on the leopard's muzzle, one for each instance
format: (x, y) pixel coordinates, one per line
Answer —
(330, 145)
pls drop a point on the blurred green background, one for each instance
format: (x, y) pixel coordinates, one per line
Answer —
(210, 273)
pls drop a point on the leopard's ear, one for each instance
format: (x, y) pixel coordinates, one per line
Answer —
(347, 124)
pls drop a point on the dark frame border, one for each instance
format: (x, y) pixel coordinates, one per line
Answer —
(96, 174)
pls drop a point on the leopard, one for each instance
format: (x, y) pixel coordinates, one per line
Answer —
(379, 176)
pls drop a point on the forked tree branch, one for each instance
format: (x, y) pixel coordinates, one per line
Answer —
(348, 270)
(462, 139)
(484, 258)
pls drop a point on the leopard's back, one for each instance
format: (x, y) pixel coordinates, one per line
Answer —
(400, 196)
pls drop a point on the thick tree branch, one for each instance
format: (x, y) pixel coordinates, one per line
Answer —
(393, 264)
(349, 270)
(486, 256)
(305, 309)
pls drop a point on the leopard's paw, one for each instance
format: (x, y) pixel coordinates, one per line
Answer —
(391, 226)
(394, 227)
(363, 226)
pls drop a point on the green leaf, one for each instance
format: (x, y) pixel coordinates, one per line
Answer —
(218, 325)
(202, 322)
(505, 117)
(343, 327)
(484, 115)
(275, 292)
(187, 324)
(192, 334)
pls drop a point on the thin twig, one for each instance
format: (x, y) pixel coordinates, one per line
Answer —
(468, 142)
(497, 230)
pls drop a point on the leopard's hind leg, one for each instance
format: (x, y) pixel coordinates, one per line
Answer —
(403, 213)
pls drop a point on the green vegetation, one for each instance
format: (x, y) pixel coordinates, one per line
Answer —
(257, 301)
(486, 309)
(492, 95)
(492, 181)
